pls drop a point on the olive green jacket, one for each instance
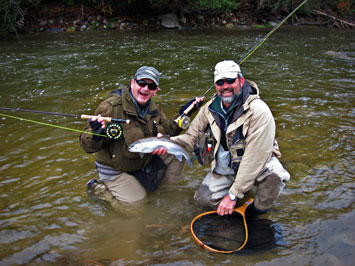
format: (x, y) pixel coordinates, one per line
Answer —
(258, 129)
(114, 153)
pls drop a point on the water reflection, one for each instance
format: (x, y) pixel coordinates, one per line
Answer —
(46, 215)
(264, 235)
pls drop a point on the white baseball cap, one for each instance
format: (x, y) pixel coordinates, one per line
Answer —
(226, 69)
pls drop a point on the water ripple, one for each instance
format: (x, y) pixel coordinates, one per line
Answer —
(46, 213)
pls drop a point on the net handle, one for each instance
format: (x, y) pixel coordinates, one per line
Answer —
(244, 207)
(241, 210)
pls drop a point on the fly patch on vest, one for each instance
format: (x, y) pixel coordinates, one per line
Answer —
(204, 146)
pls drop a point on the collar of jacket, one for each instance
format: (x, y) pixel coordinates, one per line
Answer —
(247, 90)
(141, 110)
(131, 107)
(217, 105)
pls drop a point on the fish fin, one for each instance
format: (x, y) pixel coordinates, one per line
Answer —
(190, 162)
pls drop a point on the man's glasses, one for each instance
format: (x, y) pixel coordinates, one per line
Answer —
(142, 83)
(220, 82)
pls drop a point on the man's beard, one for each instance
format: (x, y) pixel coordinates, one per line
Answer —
(229, 99)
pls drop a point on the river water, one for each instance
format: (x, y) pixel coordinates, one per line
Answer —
(46, 215)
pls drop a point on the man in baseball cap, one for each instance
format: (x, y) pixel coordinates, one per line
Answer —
(124, 176)
(242, 147)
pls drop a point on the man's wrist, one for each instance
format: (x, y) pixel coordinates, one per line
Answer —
(231, 196)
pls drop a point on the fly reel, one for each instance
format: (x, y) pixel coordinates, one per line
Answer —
(184, 122)
(114, 131)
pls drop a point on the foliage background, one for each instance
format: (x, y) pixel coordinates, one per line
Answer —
(13, 14)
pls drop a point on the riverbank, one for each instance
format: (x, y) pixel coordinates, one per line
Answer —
(56, 18)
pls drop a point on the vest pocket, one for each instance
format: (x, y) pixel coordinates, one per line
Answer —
(204, 146)
(237, 151)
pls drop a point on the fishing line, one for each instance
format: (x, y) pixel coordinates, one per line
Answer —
(251, 51)
(52, 125)
(256, 46)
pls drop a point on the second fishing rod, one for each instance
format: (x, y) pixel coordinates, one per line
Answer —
(184, 120)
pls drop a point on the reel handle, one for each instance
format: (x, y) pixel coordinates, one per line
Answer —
(107, 119)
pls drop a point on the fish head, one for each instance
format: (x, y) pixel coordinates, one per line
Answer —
(136, 146)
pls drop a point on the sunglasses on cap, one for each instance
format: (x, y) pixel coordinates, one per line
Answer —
(220, 82)
(142, 83)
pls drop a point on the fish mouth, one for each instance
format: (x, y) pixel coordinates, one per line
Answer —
(131, 147)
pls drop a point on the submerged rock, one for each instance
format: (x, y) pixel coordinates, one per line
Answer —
(338, 55)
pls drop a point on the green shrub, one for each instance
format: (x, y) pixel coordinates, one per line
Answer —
(220, 5)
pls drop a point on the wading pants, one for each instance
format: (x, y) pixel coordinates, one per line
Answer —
(268, 184)
(126, 194)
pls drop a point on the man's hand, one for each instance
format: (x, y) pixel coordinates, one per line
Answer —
(192, 106)
(199, 101)
(97, 126)
(226, 206)
(161, 150)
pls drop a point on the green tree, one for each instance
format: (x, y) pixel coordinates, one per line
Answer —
(12, 14)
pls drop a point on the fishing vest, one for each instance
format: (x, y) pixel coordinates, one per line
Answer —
(205, 144)
(237, 149)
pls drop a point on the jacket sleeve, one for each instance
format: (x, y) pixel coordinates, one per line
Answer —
(258, 150)
(86, 141)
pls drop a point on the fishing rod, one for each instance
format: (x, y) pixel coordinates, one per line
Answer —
(183, 120)
(51, 125)
(86, 117)
(112, 131)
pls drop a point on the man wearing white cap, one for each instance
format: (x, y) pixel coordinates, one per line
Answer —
(235, 131)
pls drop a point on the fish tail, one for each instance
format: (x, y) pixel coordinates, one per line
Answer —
(189, 162)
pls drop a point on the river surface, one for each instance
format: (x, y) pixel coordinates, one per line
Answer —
(46, 215)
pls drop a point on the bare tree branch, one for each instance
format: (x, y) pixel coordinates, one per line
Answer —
(344, 23)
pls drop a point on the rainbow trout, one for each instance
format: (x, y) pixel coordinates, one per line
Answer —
(147, 145)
